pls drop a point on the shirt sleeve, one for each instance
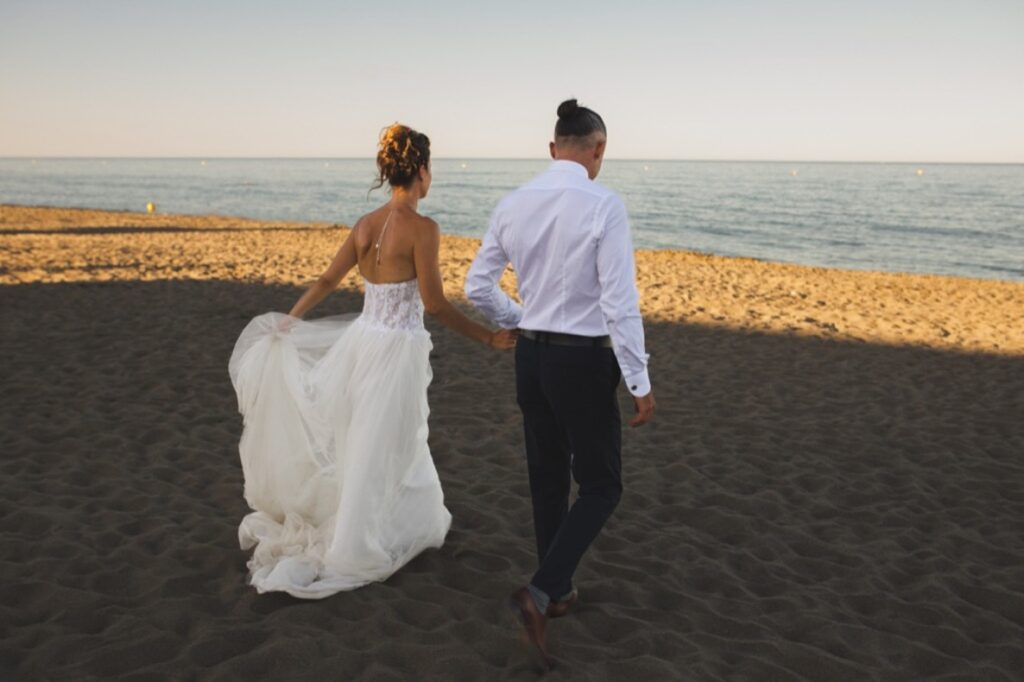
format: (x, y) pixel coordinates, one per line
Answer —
(482, 281)
(620, 301)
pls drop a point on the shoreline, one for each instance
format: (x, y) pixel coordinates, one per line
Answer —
(246, 222)
(938, 311)
(995, 274)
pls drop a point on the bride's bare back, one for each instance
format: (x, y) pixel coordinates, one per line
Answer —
(384, 241)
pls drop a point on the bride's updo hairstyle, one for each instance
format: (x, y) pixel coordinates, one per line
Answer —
(401, 153)
(576, 122)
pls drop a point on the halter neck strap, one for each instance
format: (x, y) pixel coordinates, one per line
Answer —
(382, 231)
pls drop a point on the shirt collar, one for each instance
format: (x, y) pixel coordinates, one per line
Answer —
(570, 167)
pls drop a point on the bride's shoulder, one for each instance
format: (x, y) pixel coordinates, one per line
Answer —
(365, 218)
(365, 223)
(424, 222)
(426, 231)
(358, 223)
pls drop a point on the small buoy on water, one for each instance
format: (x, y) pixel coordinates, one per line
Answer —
(202, 163)
(463, 165)
(647, 168)
(151, 207)
(794, 172)
(920, 171)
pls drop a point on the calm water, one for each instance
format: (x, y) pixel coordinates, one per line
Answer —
(939, 218)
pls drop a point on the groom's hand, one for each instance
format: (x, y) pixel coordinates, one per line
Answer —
(503, 339)
(644, 409)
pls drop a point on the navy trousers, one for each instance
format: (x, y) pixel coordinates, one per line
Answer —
(573, 427)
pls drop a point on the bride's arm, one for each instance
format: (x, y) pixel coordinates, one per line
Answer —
(343, 261)
(426, 250)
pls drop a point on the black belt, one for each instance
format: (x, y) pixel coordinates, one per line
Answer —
(559, 339)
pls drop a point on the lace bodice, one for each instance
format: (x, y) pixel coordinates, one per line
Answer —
(394, 305)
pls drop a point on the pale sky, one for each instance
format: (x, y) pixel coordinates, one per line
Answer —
(715, 79)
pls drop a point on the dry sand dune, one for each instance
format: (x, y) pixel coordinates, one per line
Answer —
(810, 504)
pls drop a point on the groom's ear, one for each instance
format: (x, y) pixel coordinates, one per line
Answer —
(551, 149)
(599, 149)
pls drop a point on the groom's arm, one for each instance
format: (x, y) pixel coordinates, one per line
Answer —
(620, 301)
(482, 281)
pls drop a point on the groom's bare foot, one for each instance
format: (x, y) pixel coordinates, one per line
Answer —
(534, 622)
(557, 609)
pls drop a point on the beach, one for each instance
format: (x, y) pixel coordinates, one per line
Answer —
(832, 488)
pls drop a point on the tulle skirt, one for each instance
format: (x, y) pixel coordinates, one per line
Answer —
(334, 452)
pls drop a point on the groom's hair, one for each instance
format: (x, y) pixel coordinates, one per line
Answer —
(576, 122)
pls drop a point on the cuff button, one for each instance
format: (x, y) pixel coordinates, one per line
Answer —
(634, 388)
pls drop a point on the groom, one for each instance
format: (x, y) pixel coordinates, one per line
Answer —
(568, 240)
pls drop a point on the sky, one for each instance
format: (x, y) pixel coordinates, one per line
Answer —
(715, 79)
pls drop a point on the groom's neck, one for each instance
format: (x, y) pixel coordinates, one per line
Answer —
(589, 157)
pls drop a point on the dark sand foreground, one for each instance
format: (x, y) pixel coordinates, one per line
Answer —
(834, 499)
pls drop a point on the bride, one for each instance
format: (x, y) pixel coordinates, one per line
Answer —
(334, 444)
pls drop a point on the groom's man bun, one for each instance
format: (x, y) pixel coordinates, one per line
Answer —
(577, 122)
(568, 108)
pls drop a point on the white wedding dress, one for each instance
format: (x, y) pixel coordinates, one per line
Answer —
(334, 445)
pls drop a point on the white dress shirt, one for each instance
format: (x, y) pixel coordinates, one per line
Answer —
(568, 240)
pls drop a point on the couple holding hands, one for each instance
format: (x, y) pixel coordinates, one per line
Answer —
(334, 446)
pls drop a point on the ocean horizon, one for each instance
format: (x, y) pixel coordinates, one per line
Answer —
(607, 159)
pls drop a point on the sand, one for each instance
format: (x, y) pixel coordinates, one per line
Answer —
(833, 488)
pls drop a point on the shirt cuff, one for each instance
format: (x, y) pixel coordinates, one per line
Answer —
(638, 384)
(513, 320)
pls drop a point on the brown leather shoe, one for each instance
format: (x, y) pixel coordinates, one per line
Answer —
(533, 621)
(557, 609)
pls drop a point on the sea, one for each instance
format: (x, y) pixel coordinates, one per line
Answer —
(952, 219)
